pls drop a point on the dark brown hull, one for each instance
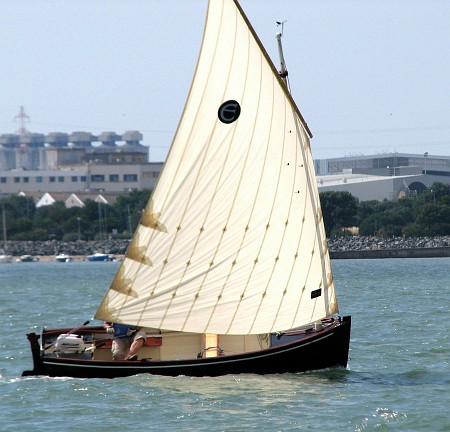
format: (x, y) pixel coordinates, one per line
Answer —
(296, 352)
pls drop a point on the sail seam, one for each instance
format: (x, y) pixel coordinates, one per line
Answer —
(213, 197)
(188, 202)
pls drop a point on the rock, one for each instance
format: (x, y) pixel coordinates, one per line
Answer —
(353, 243)
(118, 247)
(54, 247)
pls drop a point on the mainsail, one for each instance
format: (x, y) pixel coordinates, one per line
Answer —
(232, 240)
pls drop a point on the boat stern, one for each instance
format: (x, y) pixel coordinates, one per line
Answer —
(33, 338)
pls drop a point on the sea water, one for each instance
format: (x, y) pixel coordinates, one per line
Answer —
(398, 377)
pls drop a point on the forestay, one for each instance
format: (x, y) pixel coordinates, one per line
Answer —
(232, 240)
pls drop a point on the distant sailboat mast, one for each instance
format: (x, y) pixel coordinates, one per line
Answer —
(4, 256)
(5, 240)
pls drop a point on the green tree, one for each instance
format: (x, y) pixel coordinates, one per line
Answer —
(19, 213)
(52, 218)
(433, 218)
(387, 223)
(439, 191)
(129, 209)
(339, 210)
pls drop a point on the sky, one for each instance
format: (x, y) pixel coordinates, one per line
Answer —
(369, 76)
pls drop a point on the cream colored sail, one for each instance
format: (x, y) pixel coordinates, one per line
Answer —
(232, 240)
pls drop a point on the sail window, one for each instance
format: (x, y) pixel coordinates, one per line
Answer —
(316, 293)
(229, 111)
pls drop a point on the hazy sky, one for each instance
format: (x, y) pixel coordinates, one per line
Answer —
(369, 76)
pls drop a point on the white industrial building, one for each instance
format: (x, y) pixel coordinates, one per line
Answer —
(385, 176)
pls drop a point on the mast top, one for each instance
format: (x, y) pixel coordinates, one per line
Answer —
(283, 70)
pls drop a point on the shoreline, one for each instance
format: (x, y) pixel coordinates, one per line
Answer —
(51, 258)
(80, 249)
(392, 253)
(356, 247)
(350, 247)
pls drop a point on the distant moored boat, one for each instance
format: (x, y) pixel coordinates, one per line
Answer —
(63, 258)
(27, 258)
(100, 257)
(5, 258)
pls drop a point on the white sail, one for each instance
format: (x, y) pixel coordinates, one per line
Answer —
(232, 239)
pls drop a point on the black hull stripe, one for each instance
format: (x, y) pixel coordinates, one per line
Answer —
(181, 364)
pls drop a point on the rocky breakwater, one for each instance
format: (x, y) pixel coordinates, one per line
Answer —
(76, 248)
(341, 247)
(353, 247)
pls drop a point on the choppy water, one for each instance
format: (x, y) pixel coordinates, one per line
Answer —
(398, 377)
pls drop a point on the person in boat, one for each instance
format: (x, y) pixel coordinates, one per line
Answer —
(127, 340)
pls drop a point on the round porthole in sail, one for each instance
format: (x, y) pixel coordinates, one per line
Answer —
(229, 111)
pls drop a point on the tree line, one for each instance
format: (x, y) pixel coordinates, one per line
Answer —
(94, 221)
(425, 214)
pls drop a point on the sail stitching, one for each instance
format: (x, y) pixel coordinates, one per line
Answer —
(218, 183)
(104, 305)
(167, 196)
(133, 270)
(288, 217)
(303, 147)
(263, 296)
(315, 205)
(191, 194)
(297, 258)
(239, 248)
(263, 241)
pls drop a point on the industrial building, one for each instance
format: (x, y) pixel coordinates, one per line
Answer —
(77, 162)
(384, 176)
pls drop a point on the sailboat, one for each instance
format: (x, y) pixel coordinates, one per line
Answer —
(5, 257)
(228, 271)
